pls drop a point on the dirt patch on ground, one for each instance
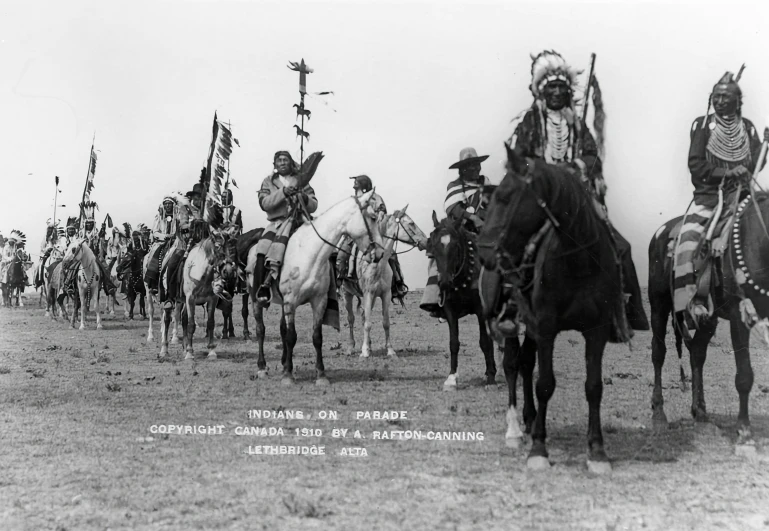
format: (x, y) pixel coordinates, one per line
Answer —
(77, 407)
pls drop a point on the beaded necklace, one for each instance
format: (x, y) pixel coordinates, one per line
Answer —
(729, 139)
(558, 137)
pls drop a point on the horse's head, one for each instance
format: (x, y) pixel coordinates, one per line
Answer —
(399, 226)
(363, 228)
(74, 251)
(451, 246)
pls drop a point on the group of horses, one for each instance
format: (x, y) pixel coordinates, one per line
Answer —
(12, 279)
(570, 280)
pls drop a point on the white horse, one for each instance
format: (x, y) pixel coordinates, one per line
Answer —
(200, 287)
(306, 273)
(375, 280)
(88, 277)
(152, 296)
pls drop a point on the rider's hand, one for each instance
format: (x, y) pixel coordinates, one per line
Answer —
(738, 172)
(289, 191)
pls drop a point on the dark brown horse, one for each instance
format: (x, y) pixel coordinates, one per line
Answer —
(129, 271)
(454, 250)
(572, 283)
(15, 285)
(745, 261)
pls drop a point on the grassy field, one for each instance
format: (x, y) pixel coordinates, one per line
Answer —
(78, 449)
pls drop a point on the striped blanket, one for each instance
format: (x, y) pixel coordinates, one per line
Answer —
(432, 294)
(273, 242)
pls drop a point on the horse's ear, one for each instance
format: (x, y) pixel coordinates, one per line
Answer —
(435, 219)
(403, 211)
(516, 161)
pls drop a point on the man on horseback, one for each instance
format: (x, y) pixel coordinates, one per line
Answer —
(163, 231)
(345, 261)
(95, 237)
(48, 246)
(9, 253)
(466, 201)
(551, 129)
(281, 200)
(723, 155)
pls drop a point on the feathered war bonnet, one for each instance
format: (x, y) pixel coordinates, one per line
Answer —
(549, 66)
(89, 210)
(18, 237)
(72, 222)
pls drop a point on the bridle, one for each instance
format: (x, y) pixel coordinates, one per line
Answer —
(412, 240)
(371, 249)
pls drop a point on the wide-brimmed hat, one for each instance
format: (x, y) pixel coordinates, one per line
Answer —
(468, 156)
(364, 182)
(197, 191)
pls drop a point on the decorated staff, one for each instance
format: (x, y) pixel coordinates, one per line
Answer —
(303, 70)
(89, 178)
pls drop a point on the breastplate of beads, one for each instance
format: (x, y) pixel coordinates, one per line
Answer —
(729, 139)
(557, 128)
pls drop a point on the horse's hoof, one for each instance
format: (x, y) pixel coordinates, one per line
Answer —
(82, 327)
(163, 352)
(364, 354)
(659, 421)
(599, 468)
(449, 387)
(322, 382)
(174, 340)
(99, 327)
(47, 314)
(514, 442)
(262, 373)
(350, 351)
(189, 356)
(112, 313)
(538, 462)
(392, 354)
(212, 355)
(700, 415)
(150, 339)
(287, 381)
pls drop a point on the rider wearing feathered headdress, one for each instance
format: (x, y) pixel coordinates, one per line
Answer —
(163, 231)
(14, 243)
(723, 154)
(50, 245)
(551, 129)
(94, 237)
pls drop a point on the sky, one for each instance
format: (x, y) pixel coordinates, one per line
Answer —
(413, 84)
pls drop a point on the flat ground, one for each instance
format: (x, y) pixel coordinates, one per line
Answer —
(76, 450)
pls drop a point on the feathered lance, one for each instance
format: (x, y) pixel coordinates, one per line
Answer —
(303, 70)
(55, 199)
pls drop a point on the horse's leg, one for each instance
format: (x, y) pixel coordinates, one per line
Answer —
(164, 332)
(545, 389)
(290, 342)
(98, 311)
(526, 364)
(211, 326)
(230, 323)
(595, 342)
(318, 309)
(661, 307)
(451, 382)
(83, 307)
(191, 325)
(487, 347)
(514, 435)
(151, 313)
(743, 380)
(368, 305)
(261, 365)
(283, 334)
(244, 314)
(350, 322)
(698, 352)
(386, 325)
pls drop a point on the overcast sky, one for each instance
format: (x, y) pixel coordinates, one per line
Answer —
(413, 83)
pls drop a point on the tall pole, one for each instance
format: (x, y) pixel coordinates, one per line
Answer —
(55, 199)
(301, 142)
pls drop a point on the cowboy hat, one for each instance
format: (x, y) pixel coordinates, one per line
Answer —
(468, 156)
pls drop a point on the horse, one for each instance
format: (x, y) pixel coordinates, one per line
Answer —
(307, 274)
(375, 280)
(574, 283)
(229, 273)
(15, 279)
(741, 294)
(114, 251)
(246, 242)
(88, 278)
(455, 252)
(129, 272)
(198, 287)
(178, 243)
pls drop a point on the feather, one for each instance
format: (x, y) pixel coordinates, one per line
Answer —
(599, 118)
(309, 166)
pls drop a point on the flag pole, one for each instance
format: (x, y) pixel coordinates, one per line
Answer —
(301, 144)
(85, 188)
(55, 198)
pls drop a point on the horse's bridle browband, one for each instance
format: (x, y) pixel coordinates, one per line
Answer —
(411, 237)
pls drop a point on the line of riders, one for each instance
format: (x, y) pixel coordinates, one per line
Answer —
(723, 154)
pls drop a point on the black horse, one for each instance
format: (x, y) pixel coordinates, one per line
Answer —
(243, 246)
(741, 290)
(229, 275)
(15, 285)
(454, 250)
(129, 272)
(572, 282)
